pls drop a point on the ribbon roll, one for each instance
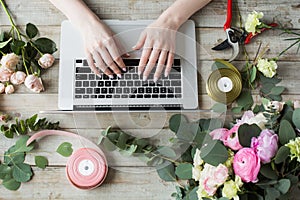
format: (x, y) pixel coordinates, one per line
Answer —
(86, 168)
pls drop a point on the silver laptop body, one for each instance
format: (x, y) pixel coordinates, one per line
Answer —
(80, 89)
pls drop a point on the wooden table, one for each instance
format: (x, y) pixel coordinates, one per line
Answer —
(129, 178)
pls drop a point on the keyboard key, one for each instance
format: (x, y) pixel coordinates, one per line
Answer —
(154, 95)
(176, 83)
(137, 83)
(156, 90)
(119, 90)
(170, 90)
(127, 76)
(105, 77)
(78, 83)
(101, 96)
(178, 96)
(167, 83)
(163, 90)
(107, 83)
(132, 96)
(96, 90)
(111, 90)
(93, 96)
(131, 62)
(123, 83)
(93, 84)
(89, 90)
(124, 96)
(109, 96)
(141, 90)
(170, 95)
(126, 90)
(148, 90)
(86, 84)
(84, 70)
(147, 96)
(178, 69)
(177, 90)
(85, 63)
(81, 76)
(117, 96)
(133, 90)
(115, 83)
(86, 96)
(129, 83)
(78, 61)
(91, 76)
(78, 96)
(100, 83)
(103, 90)
(135, 76)
(176, 62)
(173, 76)
(162, 96)
(79, 90)
(139, 96)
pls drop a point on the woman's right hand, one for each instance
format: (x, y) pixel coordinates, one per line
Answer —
(102, 50)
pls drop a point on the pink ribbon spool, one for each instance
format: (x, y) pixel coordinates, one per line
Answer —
(86, 168)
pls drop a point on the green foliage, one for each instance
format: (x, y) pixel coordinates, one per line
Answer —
(41, 161)
(286, 132)
(184, 171)
(296, 118)
(268, 88)
(214, 153)
(244, 102)
(166, 171)
(45, 45)
(65, 149)
(282, 154)
(31, 30)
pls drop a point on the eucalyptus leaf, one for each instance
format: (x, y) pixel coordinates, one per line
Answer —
(184, 171)
(65, 149)
(176, 121)
(108, 145)
(123, 137)
(286, 132)
(31, 30)
(253, 74)
(296, 118)
(268, 172)
(45, 45)
(41, 161)
(4, 170)
(22, 172)
(166, 152)
(129, 151)
(271, 194)
(193, 194)
(246, 132)
(237, 109)
(282, 154)
(11, 184)
(283, 185)
(245, 99)
(277, 90)
(167, 171)
(214, 153)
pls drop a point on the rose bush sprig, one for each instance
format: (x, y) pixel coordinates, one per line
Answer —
(23, 56)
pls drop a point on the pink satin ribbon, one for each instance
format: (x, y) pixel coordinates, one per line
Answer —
(86, 168)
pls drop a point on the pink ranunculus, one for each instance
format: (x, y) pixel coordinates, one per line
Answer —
(4, 74)
(265, 146)
(232, 141)
(219, 134)
(34, 83)
(17, 78)
(2, 88)
(246, 164)
(10, 61)
(9, 89)
(46, 60)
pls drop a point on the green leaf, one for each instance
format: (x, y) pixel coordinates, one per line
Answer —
(166, 151)
(193, 194)
(245, 99)
(108, 145)
(214, 153)
(22, 172)
(4, 170)
(246, 132)
(3, 44)
(167, 172)
(65, 149)
(277, 90)
(271, 194)
(219, 108)
(282, 154)
(123, 137)
(106, 131)
(268, 172)
(11, 184)
(41, 161)
(184, 171)
(286, 132)
(21, 145)
(176, 121)
(267, 87)
(283, 185)
(237, 110)
(31, 30)
(296, 118)
(129, 151)
(45, 45)
(16, 46)
(253, 74)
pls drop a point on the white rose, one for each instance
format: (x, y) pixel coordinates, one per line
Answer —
(9, 89)
(10, 61)
(196, 172)
(2, 88)
(46, 61)
(4, 74)
(268, 68)
(34, 83)
(197, 159)
(253, 21)
(17, 78)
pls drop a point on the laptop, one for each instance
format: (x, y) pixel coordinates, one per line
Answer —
(81, 90)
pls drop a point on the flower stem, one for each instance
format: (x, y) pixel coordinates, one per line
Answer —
(24, 62)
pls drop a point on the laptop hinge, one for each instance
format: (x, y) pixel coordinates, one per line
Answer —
(126, 107)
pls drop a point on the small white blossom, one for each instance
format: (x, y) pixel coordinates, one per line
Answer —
(253, 21)
(268, 68)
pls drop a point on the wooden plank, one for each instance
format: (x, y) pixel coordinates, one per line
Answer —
(51, 183)
(213, 15)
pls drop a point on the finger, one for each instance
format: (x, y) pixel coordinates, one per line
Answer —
(151, 63)
(99, 62)
(143, 61)
(109, 62)
(169, 64)
(115, 54)
(160, 65)
(140, 43)
(91, 63)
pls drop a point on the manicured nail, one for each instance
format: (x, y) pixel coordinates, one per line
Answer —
(111, 76)
(144, 78)
(155, 79)
(119, 75)
(99, 75)
(127, 54)
(124, 69)
(139, 72)
(166, 74)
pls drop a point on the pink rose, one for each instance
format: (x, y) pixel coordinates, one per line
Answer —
(2, 88)
(246, 164)
(4, 74)
(9, 89)
(46, 61)
(34, 83)
(17, 78)
(10, 61)
(265, 146)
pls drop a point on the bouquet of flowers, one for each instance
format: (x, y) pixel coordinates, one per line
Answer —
(22, 57)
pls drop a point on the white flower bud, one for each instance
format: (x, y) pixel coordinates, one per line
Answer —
(2, 88)
(34, 83)
(4, 74)
(9, 89)
(46, 61)
(17, 78)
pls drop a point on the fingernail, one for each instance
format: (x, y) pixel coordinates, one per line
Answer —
(111, 76)
(144, 78)
(155, 79)
(139, 73)
(127, 54)
(166, 74)
(119, 75)
(134, 47)
(99, 75)
(124, 69)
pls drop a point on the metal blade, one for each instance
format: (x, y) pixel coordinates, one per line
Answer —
(224, 45)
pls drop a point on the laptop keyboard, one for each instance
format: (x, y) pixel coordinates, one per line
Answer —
(131, 85)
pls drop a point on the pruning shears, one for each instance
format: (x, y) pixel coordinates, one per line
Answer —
(235, 36)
